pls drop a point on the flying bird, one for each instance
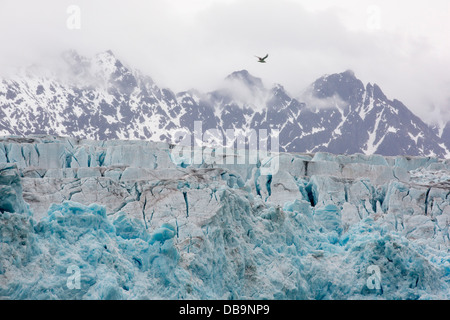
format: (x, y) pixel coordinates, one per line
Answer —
(262, 60)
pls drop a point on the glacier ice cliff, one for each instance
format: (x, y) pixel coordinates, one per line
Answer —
(137, 225)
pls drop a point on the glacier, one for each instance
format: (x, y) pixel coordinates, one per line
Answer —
(136, 224)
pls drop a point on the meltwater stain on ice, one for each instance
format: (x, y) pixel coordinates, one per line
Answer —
(149, 228)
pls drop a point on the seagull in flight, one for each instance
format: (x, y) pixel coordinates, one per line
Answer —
(262, 60)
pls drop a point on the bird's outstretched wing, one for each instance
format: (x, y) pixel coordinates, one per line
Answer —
(262, 59)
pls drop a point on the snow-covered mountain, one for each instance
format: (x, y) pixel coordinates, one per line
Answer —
(101, 98)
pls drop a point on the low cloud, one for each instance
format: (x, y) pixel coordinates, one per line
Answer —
(184, 44)
(254, 97)
(312, 101)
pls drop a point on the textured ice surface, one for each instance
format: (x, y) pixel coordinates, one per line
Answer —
(138, 226)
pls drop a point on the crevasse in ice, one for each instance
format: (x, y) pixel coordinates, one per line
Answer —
(136, 225)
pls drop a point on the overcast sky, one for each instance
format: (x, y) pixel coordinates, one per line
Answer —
(403, 46)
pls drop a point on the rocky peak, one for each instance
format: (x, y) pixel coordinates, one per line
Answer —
(244, 77)
(345, 85)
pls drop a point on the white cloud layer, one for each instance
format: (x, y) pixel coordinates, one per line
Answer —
(401, 45)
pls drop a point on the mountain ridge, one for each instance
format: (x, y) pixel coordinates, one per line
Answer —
(104, 99)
